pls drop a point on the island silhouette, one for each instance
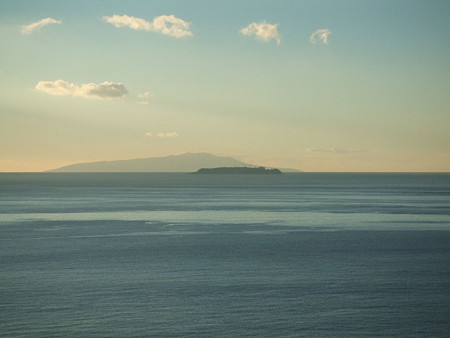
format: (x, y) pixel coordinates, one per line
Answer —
(238, 170)
(188, 162)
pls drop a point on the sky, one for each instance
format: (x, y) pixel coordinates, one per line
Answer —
(316, 85)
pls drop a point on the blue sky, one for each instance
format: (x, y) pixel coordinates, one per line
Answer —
(372, 97)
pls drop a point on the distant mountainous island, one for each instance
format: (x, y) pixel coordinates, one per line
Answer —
(189, 162)
(238, 170)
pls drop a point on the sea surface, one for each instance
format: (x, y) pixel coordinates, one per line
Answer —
(184, 255)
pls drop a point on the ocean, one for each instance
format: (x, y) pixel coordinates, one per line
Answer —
(184, 255)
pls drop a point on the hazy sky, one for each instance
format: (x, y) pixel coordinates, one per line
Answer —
(348, 85)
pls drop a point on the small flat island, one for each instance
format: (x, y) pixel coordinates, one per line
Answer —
(238, 170)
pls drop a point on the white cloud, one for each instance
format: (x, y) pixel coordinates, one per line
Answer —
(320, 35)
(336, 150)
(165, 24)
(39, 24)
(169, 134)
(263, 31)
(162, 135)
(145, 95)
(106, 90)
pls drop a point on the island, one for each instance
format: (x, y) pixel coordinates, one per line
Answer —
(182, 163)
(238, 170)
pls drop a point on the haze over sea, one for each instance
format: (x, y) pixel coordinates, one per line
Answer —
(183, 255)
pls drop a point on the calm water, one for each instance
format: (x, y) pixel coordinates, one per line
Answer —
(182, 255)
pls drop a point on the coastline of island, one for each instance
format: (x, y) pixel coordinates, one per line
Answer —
(239, 170)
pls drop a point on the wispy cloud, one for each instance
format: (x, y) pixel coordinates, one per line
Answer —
(320, 35)
(262, 31)
(27, 29)
(165, 24)
(162, 135)
(146, 96)
(335, 150)
(106, 90)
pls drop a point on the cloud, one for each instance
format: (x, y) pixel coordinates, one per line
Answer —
(39, 24)
(105, 91)
(320, 35)
(162, 135)
(145, 95)
(336, 150)
(263, 31)
(165, 24)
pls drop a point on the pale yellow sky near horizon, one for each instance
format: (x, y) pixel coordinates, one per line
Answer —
(321, 87)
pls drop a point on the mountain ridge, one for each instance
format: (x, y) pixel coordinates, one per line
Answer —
(187, 162)
(172, 163)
